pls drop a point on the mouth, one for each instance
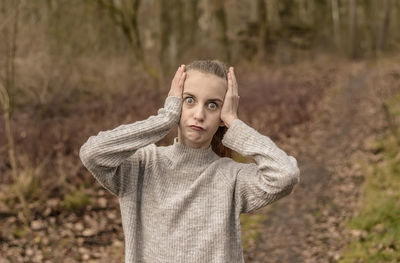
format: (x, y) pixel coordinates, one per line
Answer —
(197, 128)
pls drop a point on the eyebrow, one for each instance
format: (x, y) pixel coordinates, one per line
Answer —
(215, 99)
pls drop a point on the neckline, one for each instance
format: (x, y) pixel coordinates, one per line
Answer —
(190, 149)
(191, 157)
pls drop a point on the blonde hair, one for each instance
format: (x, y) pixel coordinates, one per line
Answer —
(219, 69)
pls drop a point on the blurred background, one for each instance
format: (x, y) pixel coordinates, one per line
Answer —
(320, 77)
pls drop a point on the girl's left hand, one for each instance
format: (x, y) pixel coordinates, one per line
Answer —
(231, 101)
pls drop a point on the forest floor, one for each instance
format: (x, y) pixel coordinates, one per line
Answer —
(309, 224)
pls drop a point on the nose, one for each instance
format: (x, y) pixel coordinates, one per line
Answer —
(199, 113)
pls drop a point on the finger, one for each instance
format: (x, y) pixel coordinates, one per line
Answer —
(233, 77)
(178, 72)
(235, 85)
(229, 83)
(181, 70)
(182, 80)
(176, 75)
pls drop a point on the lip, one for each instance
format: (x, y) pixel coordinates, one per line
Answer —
(197, 128)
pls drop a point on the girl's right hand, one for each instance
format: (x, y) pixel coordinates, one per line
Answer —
(177, 83)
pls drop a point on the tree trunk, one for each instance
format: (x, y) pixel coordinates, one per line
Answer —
(165, 29)
(125, 14)
(336, 24)
(222, 29)
(302, 12)
(352, 28)
(7, 94)
(263, 34)
(274, 20)
(385, 26)
(191, 28)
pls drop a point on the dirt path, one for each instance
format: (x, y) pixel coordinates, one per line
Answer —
(307, 226)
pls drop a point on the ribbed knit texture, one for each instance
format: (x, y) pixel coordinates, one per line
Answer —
(181, 204)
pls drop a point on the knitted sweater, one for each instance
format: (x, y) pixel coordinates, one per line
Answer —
(182, 204)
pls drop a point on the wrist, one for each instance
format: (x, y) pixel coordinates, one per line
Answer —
(229, 122)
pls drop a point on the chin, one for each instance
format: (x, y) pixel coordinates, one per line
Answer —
(194, 137)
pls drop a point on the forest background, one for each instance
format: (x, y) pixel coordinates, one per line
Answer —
(70, 68)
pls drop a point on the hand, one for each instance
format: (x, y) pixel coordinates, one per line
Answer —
(177, 83)
(231, 100)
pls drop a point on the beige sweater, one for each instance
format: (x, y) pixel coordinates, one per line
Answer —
(181, 204)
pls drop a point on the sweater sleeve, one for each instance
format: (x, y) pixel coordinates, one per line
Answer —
(112, 156)
(272, 177)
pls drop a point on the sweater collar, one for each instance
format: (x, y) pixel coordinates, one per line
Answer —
(191, 157)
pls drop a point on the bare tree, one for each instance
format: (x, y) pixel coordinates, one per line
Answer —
(191, 27)
(221, 29)
(9, 32)
(385, 26)
(263, 30)
(125, 14)
(336, 23)
(165, 33)
(273, 16)
(302, 11)
(352, 28)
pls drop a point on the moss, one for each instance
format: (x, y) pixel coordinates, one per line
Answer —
(380, 213)
(20, 232)
(76, 200)
(250, 228)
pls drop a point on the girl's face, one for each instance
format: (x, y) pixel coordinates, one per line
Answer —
(203, 97)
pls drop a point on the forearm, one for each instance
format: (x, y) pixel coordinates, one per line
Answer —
(272, 177)
(278, 168)
(110, 148)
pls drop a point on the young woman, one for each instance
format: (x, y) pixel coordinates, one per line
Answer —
(181, 203)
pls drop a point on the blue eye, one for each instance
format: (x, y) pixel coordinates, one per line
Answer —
(188, 98)
(210, 107)
(216, 106)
